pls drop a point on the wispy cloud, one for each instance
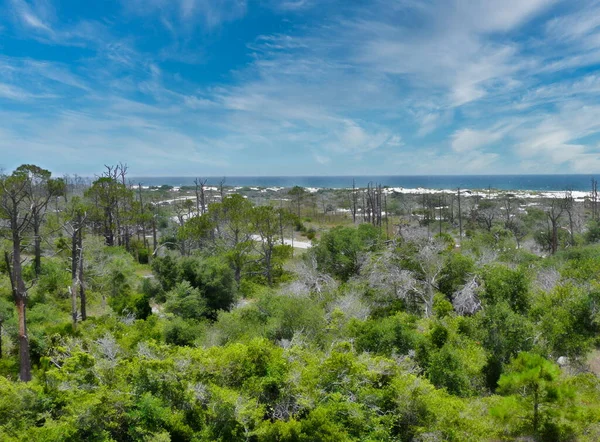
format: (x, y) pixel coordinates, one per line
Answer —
(33, 16)
(437, 86)
(15, 93)
(203, 15)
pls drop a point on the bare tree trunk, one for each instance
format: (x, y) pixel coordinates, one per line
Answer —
(197, 192)
(222, 189)
(353, 201)
(440, 203)
(459, 218)
(281, 227)
(118, 222)
(387, 223)
(154, 242)
(123, 173)
(142, 213)
(200, 196)
(594, 198)
(37, 244)
(364, 207)
(74, 289)
(20, 298)
(380, 206)
(74, 267)
(108, 230)
(554, 214)
(554, 236)
(82, 295)
(268, 266)
(24, 357)
(426, 220)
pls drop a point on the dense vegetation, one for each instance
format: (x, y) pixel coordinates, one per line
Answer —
(126, 319)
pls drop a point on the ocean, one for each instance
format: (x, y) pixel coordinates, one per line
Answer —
(500, 182)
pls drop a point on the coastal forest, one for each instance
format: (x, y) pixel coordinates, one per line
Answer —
(217, 313)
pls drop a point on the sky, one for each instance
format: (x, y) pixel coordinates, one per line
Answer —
(301, 87)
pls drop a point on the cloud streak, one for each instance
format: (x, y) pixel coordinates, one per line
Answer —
(236, 87)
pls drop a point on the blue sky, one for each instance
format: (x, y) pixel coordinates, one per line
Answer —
(301, 87)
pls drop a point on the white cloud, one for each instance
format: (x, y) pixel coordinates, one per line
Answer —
(497, 15)
(354, 139)
(203, 15)
(291, 5)
(450, 52)
(13, 92)
(35, 17)
(466, 140)
(16, 93)
(321, 159)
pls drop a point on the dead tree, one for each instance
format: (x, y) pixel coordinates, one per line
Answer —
(440, 209)
(222, 188)
(374, 201)
(200, 195)
(429, 262)
(142, 215)
(112, 208)
(460, 229)
(450, 211)
(82, 293)
(569, 205)
(486, 213)
(387, 223)
(509, 209)
(125, 205)
(466, 300)
(14, 204)
(554, 213)
(354, 201)
(594, 199)
(74, 228)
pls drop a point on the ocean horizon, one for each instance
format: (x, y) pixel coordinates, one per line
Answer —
(578, 182)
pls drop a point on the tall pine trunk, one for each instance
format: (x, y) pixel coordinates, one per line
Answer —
(74, 283)
(20, 297)
(24, 358)
(82, 297)
(37, 244)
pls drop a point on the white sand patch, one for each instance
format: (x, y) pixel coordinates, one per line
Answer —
(288, 242)
(493, 194)
(181, 198)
